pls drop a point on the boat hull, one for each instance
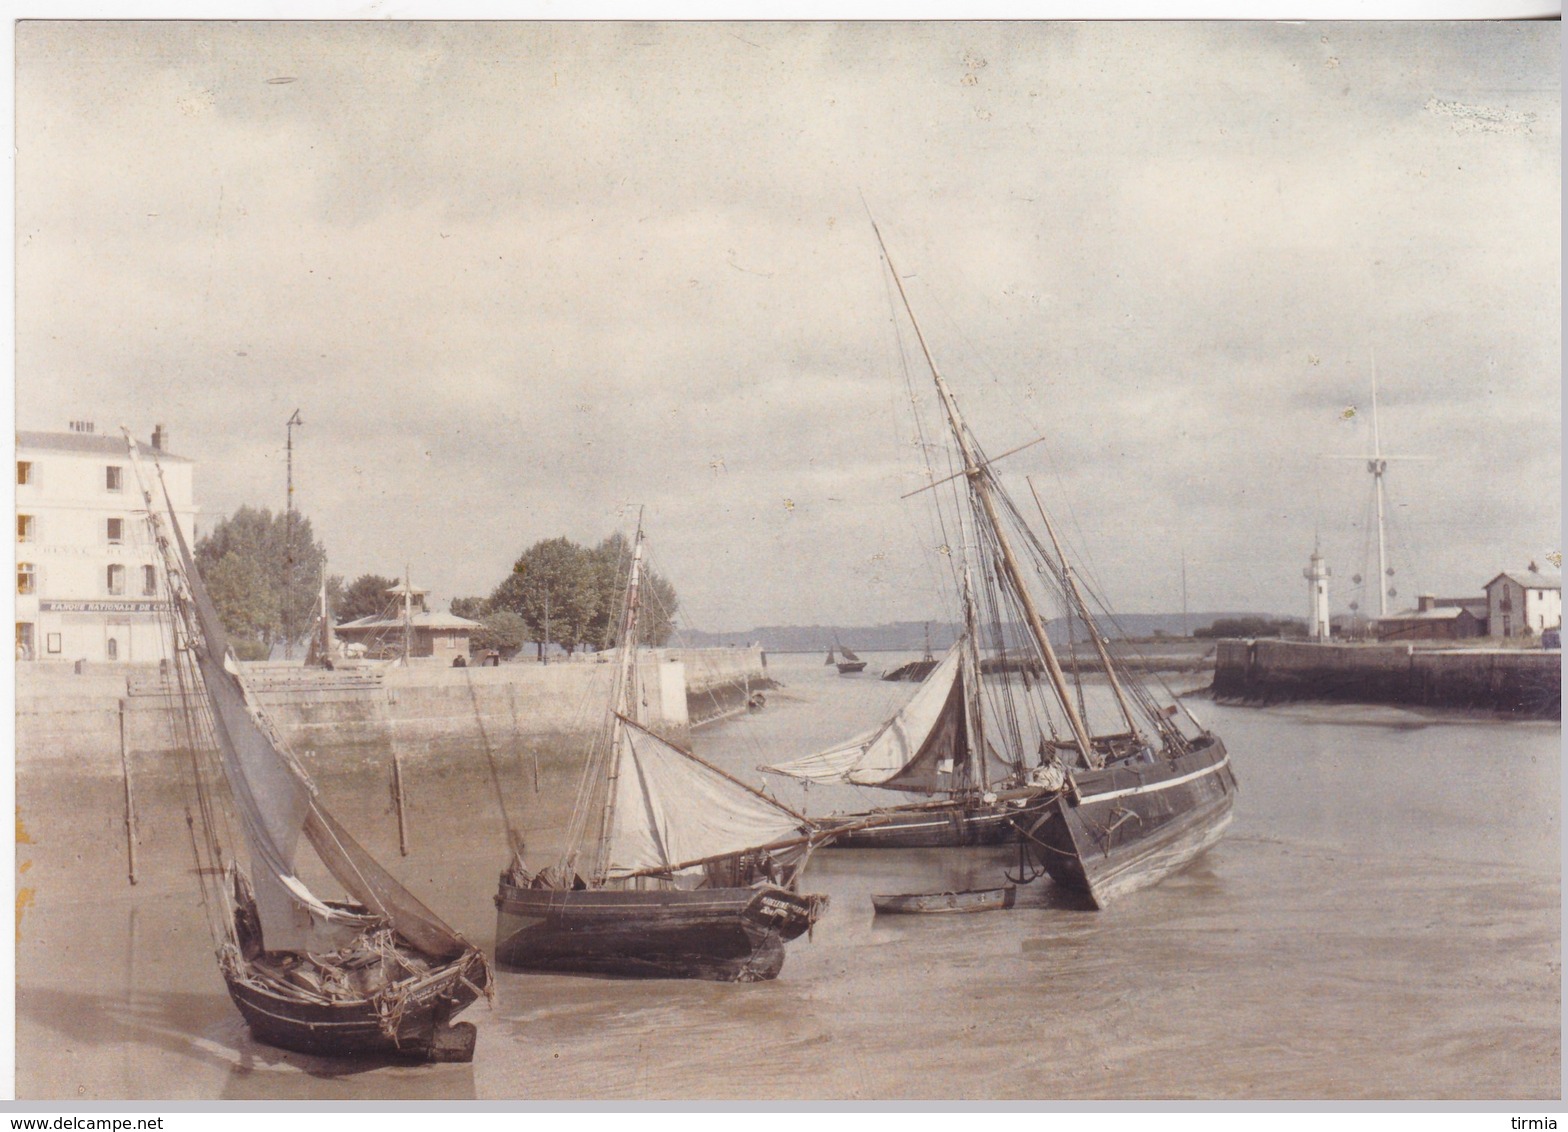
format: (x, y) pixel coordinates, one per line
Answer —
(850, 667)
(946, 903)
(928, 828)
(422, 1030)
(1127, 827)
(724, 934)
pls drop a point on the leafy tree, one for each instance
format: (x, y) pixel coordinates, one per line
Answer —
(612, 563)
(500, 629)
(268, 550)
(365, 596)
(246, 604)
(551, 584)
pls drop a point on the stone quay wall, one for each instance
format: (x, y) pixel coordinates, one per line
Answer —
(721, 682)
(83, 717)
(1518, 681)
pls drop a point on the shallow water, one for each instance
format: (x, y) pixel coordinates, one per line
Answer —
(1382, 921)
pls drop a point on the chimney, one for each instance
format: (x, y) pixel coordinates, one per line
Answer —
(1426, 602)
(158, 437)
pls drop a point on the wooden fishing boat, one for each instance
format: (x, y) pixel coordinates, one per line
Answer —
(933, 746)
(946, 903)
(377, 974)
(672, 867)
(1104, 802)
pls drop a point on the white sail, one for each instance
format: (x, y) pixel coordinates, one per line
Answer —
(276, 799)
(921, 748)
(671, 809)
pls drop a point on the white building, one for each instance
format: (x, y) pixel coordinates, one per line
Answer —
(87, 581)
(1522, 603)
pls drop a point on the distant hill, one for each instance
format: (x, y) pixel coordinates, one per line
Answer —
(910, 636)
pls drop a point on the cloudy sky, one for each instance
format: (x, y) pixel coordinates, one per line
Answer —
(516, 277)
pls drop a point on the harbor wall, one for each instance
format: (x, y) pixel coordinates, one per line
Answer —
(1518, 681)
(66, 715)
(721, 682)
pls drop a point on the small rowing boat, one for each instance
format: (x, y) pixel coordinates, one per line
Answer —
(946, 903)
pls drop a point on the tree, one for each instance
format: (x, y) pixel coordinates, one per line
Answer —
(551, 584)
(268, 551)
(366, 596)
(246, 604)
(612, 563)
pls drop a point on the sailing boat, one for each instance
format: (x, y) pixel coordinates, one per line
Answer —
(850, 664)
(380, 974)
(1102, 811)
(687, 872)
(933, 745)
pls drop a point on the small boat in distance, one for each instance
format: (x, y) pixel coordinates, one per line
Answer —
(379, 974)
(946, 903)
(850, 664)
(672, 867)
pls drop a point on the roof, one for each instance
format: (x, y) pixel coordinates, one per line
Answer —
(1530, 581)
(421, 620)
(89, 444)
(1441, 613)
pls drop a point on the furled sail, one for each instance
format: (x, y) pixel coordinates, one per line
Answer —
(277, 802)
(671, 809)
(924, 748)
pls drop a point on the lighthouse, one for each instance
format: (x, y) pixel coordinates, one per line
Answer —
(1317, 574)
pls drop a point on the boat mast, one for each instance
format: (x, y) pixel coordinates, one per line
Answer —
(624, 705)
(1088, 619)
(981, 489)
(974, 705)
(1377, 466)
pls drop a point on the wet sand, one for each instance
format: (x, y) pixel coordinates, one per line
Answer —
(1382, 921)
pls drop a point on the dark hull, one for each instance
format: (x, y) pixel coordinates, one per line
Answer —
(946, 903)
(422, 1030)
(725, 934)
(850, 667)
(928, 828)
(1127, 827)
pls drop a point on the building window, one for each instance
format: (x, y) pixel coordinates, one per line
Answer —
(26, 528)
(149, 581)
(116, 531)
(114, 478)
(114, 649)
(53, 640)
(24, 472)
(115, 579)
(26, 578)
(24, 640)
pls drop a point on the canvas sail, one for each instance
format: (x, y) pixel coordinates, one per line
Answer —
(277, 803)
(924, 748)
(670, 808)
(848, 655)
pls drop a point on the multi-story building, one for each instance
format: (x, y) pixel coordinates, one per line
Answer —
(1524, 603)
(87, 579)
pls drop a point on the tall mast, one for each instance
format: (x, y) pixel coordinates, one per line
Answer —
(982, 491)
(623, 700)
(1088, 619)
(288, 543)
(408, 616)
(1377, 466)
(973, 705)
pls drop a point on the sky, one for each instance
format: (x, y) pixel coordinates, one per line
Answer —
(521, 279)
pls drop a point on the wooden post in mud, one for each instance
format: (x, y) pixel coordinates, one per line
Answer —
(130, 800)
(397, 798)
